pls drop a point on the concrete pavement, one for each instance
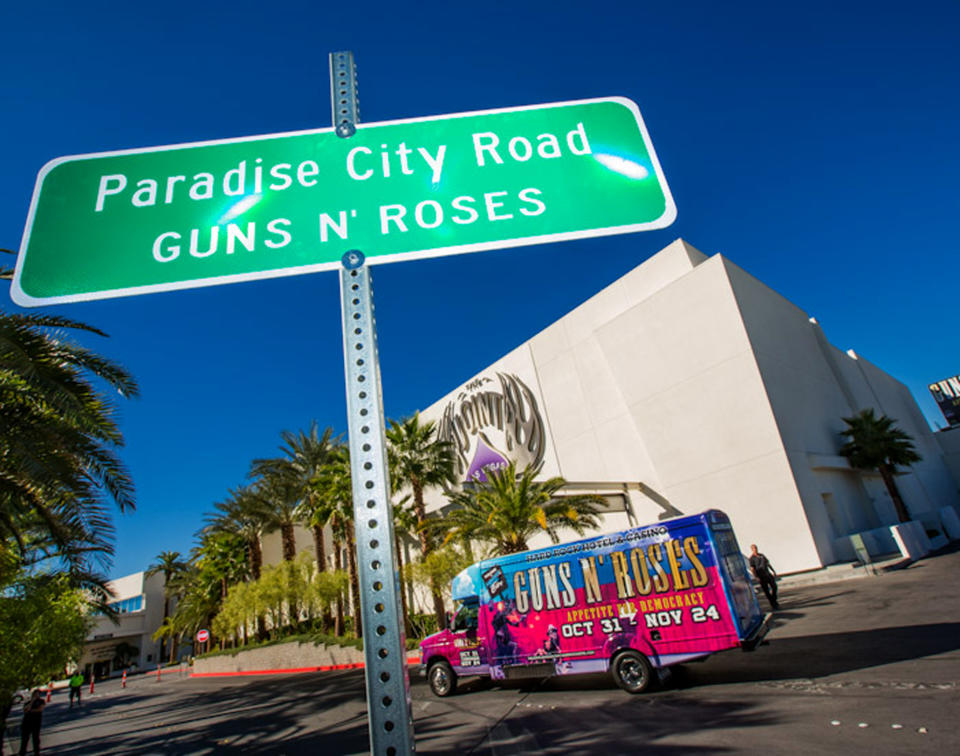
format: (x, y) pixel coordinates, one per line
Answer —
(866, 666)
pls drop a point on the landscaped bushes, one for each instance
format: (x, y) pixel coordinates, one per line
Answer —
(422, 625)
(288, 598)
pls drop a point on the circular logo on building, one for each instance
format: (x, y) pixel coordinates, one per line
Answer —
(492, 423)
(203, 636)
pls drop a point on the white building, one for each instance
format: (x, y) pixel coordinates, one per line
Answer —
(688, 384)
(139, 602)
(949, 440)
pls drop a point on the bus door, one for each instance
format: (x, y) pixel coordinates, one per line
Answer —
(736, 577)
(471, 656)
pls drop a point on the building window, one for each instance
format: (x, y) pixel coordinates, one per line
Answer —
(128, 605)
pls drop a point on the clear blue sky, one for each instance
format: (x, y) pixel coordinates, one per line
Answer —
(813, 144)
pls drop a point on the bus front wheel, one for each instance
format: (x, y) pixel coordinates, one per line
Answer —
(631, 671)
(442, 679)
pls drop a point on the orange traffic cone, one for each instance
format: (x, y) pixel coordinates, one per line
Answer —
(49, 692)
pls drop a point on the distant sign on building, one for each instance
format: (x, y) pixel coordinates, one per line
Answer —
(947, 395)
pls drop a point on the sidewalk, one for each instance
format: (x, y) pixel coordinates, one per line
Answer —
(850, 570)
(837, 572)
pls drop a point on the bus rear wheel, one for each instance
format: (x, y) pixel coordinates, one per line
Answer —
(442, 679)
(631, 671)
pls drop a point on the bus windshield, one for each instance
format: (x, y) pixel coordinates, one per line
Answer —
(465, 615)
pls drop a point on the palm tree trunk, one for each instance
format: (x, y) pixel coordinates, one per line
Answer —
(289, 544)
(438, 609)
(166, 617)
(289, 552)
(338, 617)
(255, 557)
(354, 581)
(889, 480)
(321, 551)
(420, 511)
(403, 587)
(319, 548)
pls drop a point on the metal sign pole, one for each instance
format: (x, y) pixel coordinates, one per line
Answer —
(384, 642)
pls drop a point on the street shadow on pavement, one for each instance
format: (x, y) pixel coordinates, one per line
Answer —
(796, 605)
(281, 716)
(270, 717)
(793, 601)
(632, 725)
(799, 657)
(812, 656)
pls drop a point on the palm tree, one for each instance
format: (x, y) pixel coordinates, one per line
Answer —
(279, 493)
(308, 454)
(198, 603)
(316, 512)
(167, 631)
(304, 455)
(220, 559)
(243, 512)
(404, 521)
(508, 509)
(58, 442)
(339, 536)
(171, 566)
(420, 460)
(334, 486)
(875, 443)
(285, 482)
(217, 563)
(6, 274)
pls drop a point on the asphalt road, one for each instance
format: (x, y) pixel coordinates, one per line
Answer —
(869, 666)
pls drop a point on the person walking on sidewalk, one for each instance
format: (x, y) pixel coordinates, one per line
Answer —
(32, 719)
(76, 683)
(765, 574)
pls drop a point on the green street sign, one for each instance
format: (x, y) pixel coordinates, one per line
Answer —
(136, 221)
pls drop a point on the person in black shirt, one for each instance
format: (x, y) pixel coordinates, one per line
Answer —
(765, 574)
(506, 647)
(32, 719)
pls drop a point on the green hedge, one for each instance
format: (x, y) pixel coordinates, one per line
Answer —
(316, 639)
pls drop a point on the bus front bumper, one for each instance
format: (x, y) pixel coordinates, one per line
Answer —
(751, 642)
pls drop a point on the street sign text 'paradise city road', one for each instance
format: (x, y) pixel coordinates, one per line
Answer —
(135, 221)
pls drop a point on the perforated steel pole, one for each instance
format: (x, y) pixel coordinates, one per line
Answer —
(384, 642)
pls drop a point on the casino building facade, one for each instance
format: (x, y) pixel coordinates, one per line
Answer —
(686, 385)
(128, 643)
